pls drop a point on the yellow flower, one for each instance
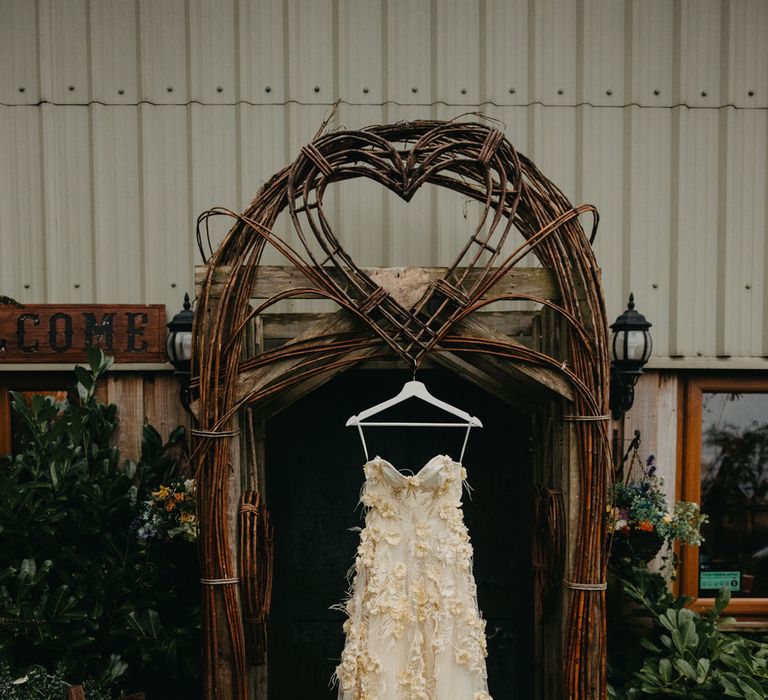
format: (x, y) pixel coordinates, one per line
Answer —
(162, 493)
(187, 517)
(179, 496)
(170, 505)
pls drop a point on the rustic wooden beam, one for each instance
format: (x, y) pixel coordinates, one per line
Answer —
(404, 283)
(283, 327)
(333, 325)
(543, 383)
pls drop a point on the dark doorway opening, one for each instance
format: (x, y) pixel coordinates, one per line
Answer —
(314, 475)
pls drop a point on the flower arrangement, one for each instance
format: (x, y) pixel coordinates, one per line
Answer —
(169, 512)
(639, 511)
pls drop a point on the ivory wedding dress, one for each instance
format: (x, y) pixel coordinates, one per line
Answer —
(413, 631)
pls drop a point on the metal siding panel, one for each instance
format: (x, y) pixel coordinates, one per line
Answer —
(457, 68)
(303, 122)
(262, 51)
(554, 145)
(360, 202)
(163, 53)
(212, 51)
(696, 275)
(113, 51)
(361, 52)
(167, 226)
(64, 51)
(409, 52)
(262, 145)
(602, 184)
(700, 53)
(513, 121)
(506, 52)
(745, 231)
(455, 216)
(411, 226)
(67, 200)
(18, 52)
(117, 220)
(653, 27)
(311, 70)
(603, 48)
(22, 265)
(555, 52)
(646, 248)
(213, 164)
(748, 54)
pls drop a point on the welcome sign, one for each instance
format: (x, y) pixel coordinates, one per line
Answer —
(63, 332)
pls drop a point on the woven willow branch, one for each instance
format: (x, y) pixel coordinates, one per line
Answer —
(475, 161)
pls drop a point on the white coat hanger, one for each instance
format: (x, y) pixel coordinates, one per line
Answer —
(414, 389)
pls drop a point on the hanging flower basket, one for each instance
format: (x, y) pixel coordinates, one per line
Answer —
(637, 545)
(640, 518)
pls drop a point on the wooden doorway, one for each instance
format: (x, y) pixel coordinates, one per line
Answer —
(314, 475)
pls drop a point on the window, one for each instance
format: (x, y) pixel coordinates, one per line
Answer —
(725, 469)
(13, 433)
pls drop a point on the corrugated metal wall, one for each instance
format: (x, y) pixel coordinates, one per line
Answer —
(122, 120)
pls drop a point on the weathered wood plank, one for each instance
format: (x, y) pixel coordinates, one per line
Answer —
(253, 380)
(162, 407)
(127, 391)
(553, 384)
(404, 283)
(285, 326)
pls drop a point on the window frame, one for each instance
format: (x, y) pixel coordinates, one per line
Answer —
(25, 381)
(689, 479)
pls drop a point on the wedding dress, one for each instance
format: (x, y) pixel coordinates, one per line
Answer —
(413, 628)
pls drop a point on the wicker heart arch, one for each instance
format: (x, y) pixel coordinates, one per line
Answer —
(476, 161)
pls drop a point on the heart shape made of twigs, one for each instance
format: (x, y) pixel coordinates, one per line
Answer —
(472, 159)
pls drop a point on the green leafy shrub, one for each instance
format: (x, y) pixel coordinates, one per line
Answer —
(686, 655)
(77, 589)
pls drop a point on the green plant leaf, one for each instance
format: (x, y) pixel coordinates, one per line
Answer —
(685, 668)
(665, 670)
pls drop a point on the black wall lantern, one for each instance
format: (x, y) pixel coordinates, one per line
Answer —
(179, 348)
(631, 349)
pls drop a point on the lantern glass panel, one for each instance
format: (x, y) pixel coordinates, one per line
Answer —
(638, 346)
(180, 346)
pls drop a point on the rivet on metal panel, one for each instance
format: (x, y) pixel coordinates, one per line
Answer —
(317, 88)
(609, 91)
(655, 285)
(560, 91)
(657, 91)
(71, 88)
(703, 93)
(219, 88)
(173, 284)
(751, 93)
(365, 90)
(169, 88)
(747, 286)
(268, 88)
(77, 285)
(26, 285)
(463, 91)
(511, 91)
(414, 89)
(120, 91)
(22, 88)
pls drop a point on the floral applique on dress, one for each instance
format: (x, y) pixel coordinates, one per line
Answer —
(413, 629)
